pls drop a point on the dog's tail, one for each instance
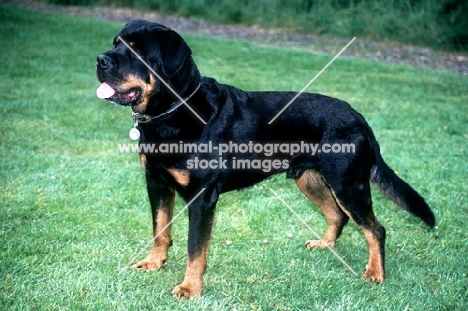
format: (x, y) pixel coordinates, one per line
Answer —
(399, 191)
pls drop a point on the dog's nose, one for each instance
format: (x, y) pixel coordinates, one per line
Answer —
(104, 61)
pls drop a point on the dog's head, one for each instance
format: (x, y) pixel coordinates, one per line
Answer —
(141, 49)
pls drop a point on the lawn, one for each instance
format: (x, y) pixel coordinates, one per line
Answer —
(74, 210)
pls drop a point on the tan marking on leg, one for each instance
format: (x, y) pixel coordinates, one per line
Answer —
(158, 256)
(192, 283)
(316, 190)
(181, 177)
(375, 269)
(143, 161)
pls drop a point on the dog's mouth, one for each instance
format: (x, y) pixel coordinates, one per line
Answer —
(131, 97)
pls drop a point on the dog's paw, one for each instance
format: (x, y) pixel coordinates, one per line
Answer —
(311, 244)
(150, 263)
(374, 275)
(187, 290)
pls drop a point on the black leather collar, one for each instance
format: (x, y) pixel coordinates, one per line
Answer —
(146, 118)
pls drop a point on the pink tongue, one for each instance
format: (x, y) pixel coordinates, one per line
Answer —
(105, 91)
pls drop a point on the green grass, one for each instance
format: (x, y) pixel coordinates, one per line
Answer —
(74, 211)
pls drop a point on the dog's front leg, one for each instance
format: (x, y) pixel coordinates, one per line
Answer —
(161, 199)
(201, 217)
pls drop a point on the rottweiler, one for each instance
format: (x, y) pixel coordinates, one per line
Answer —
(151, 70)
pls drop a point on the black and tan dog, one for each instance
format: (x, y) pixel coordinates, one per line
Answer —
(338, 183)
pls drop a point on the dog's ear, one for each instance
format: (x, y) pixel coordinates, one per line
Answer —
(174, 51)
(164, 48)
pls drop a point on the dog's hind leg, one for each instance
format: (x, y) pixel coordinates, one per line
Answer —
(311, 183)
(353, 195)
(375, 236)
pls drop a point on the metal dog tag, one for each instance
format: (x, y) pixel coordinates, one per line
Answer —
(134, 132)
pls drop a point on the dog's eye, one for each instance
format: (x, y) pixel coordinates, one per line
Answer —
(134, 50)
(137, 55)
